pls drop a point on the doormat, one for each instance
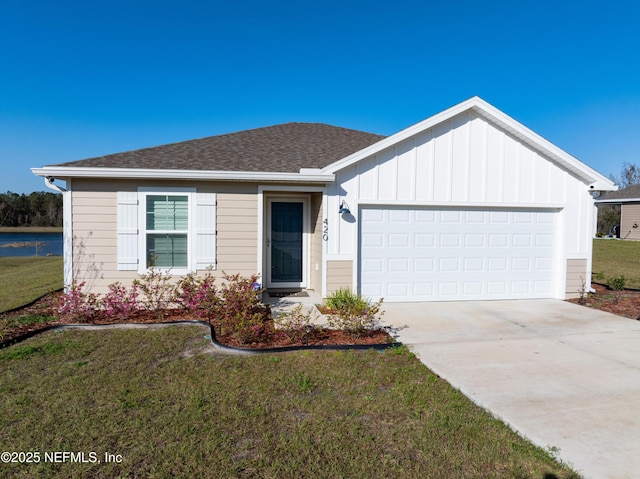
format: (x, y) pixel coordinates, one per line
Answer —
(289, 294)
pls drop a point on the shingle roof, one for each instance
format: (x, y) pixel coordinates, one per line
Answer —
(279, 148)
(626, 193)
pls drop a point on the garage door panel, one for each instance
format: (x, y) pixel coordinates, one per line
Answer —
(372, 290)
(449, 240)
(425, 216)
(543, 287)
(398, 289)
(398, 240)
(374, 265)
(422, 289)
(424, 240)
(450, 216)
(498, 240)
(399, 265)
(544, 241)
(423, 264)
(448, 290)
(430, 254)
(473, 288)
(474, 240)
(472, 265)
(474, 216)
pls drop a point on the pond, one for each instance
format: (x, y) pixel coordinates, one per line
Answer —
(30, 244)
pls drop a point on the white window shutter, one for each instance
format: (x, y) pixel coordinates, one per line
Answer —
(127, 231)
(205, 228)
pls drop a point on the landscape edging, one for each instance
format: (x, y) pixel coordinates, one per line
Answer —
(216, 344)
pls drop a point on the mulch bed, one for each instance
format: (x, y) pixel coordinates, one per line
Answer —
(48, 306)
(623, 303)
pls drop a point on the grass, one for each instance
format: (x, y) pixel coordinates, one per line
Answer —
(170, 408)
(614, 258)
(24, 279)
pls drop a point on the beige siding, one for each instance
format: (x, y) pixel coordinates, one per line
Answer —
(95, 241)
(339, 275)
(630, 216)
(237, 233)
(94, 210)
(576, 277)
(316, 242)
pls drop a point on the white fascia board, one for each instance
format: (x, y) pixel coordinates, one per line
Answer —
(619, 200)
(135, 173)
(491, 113)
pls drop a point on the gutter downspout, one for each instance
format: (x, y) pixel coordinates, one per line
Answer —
(67, 229)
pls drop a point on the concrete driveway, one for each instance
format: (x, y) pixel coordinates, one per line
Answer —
(565, 376)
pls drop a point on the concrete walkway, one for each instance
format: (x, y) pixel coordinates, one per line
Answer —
(565, 376)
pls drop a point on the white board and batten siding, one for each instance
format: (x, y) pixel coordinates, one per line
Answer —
(466, 166)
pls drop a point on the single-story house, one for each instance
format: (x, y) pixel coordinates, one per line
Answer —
(629, 201)
(468, 204)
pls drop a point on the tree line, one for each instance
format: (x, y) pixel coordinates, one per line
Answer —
(39, 208)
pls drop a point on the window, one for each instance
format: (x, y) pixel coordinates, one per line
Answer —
(169, 228)
(167, 231)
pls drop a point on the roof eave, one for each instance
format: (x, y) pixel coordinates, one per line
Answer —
(619, 200)
(62, 172)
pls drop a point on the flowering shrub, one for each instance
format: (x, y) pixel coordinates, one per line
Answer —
(198, 295)
(240, 311)
(235, 309)
(120, 302)
(78, 305)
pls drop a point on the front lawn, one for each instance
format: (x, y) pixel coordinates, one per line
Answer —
(24, 279)
(615, 258)
(162, 404)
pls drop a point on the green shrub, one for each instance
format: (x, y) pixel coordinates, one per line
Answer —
(346, 299)
(353, 312)
(294, 324)
(617, 283)
(157, 291)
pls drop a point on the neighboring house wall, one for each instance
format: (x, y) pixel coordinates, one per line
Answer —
(339, 275)
(630, 216)
(576, 277)
(466, 161)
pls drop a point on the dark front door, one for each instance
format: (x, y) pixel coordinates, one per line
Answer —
(286, 243)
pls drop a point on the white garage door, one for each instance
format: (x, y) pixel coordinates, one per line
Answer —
(426, 254)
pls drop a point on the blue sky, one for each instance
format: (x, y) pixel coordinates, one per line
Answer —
(80, 79)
